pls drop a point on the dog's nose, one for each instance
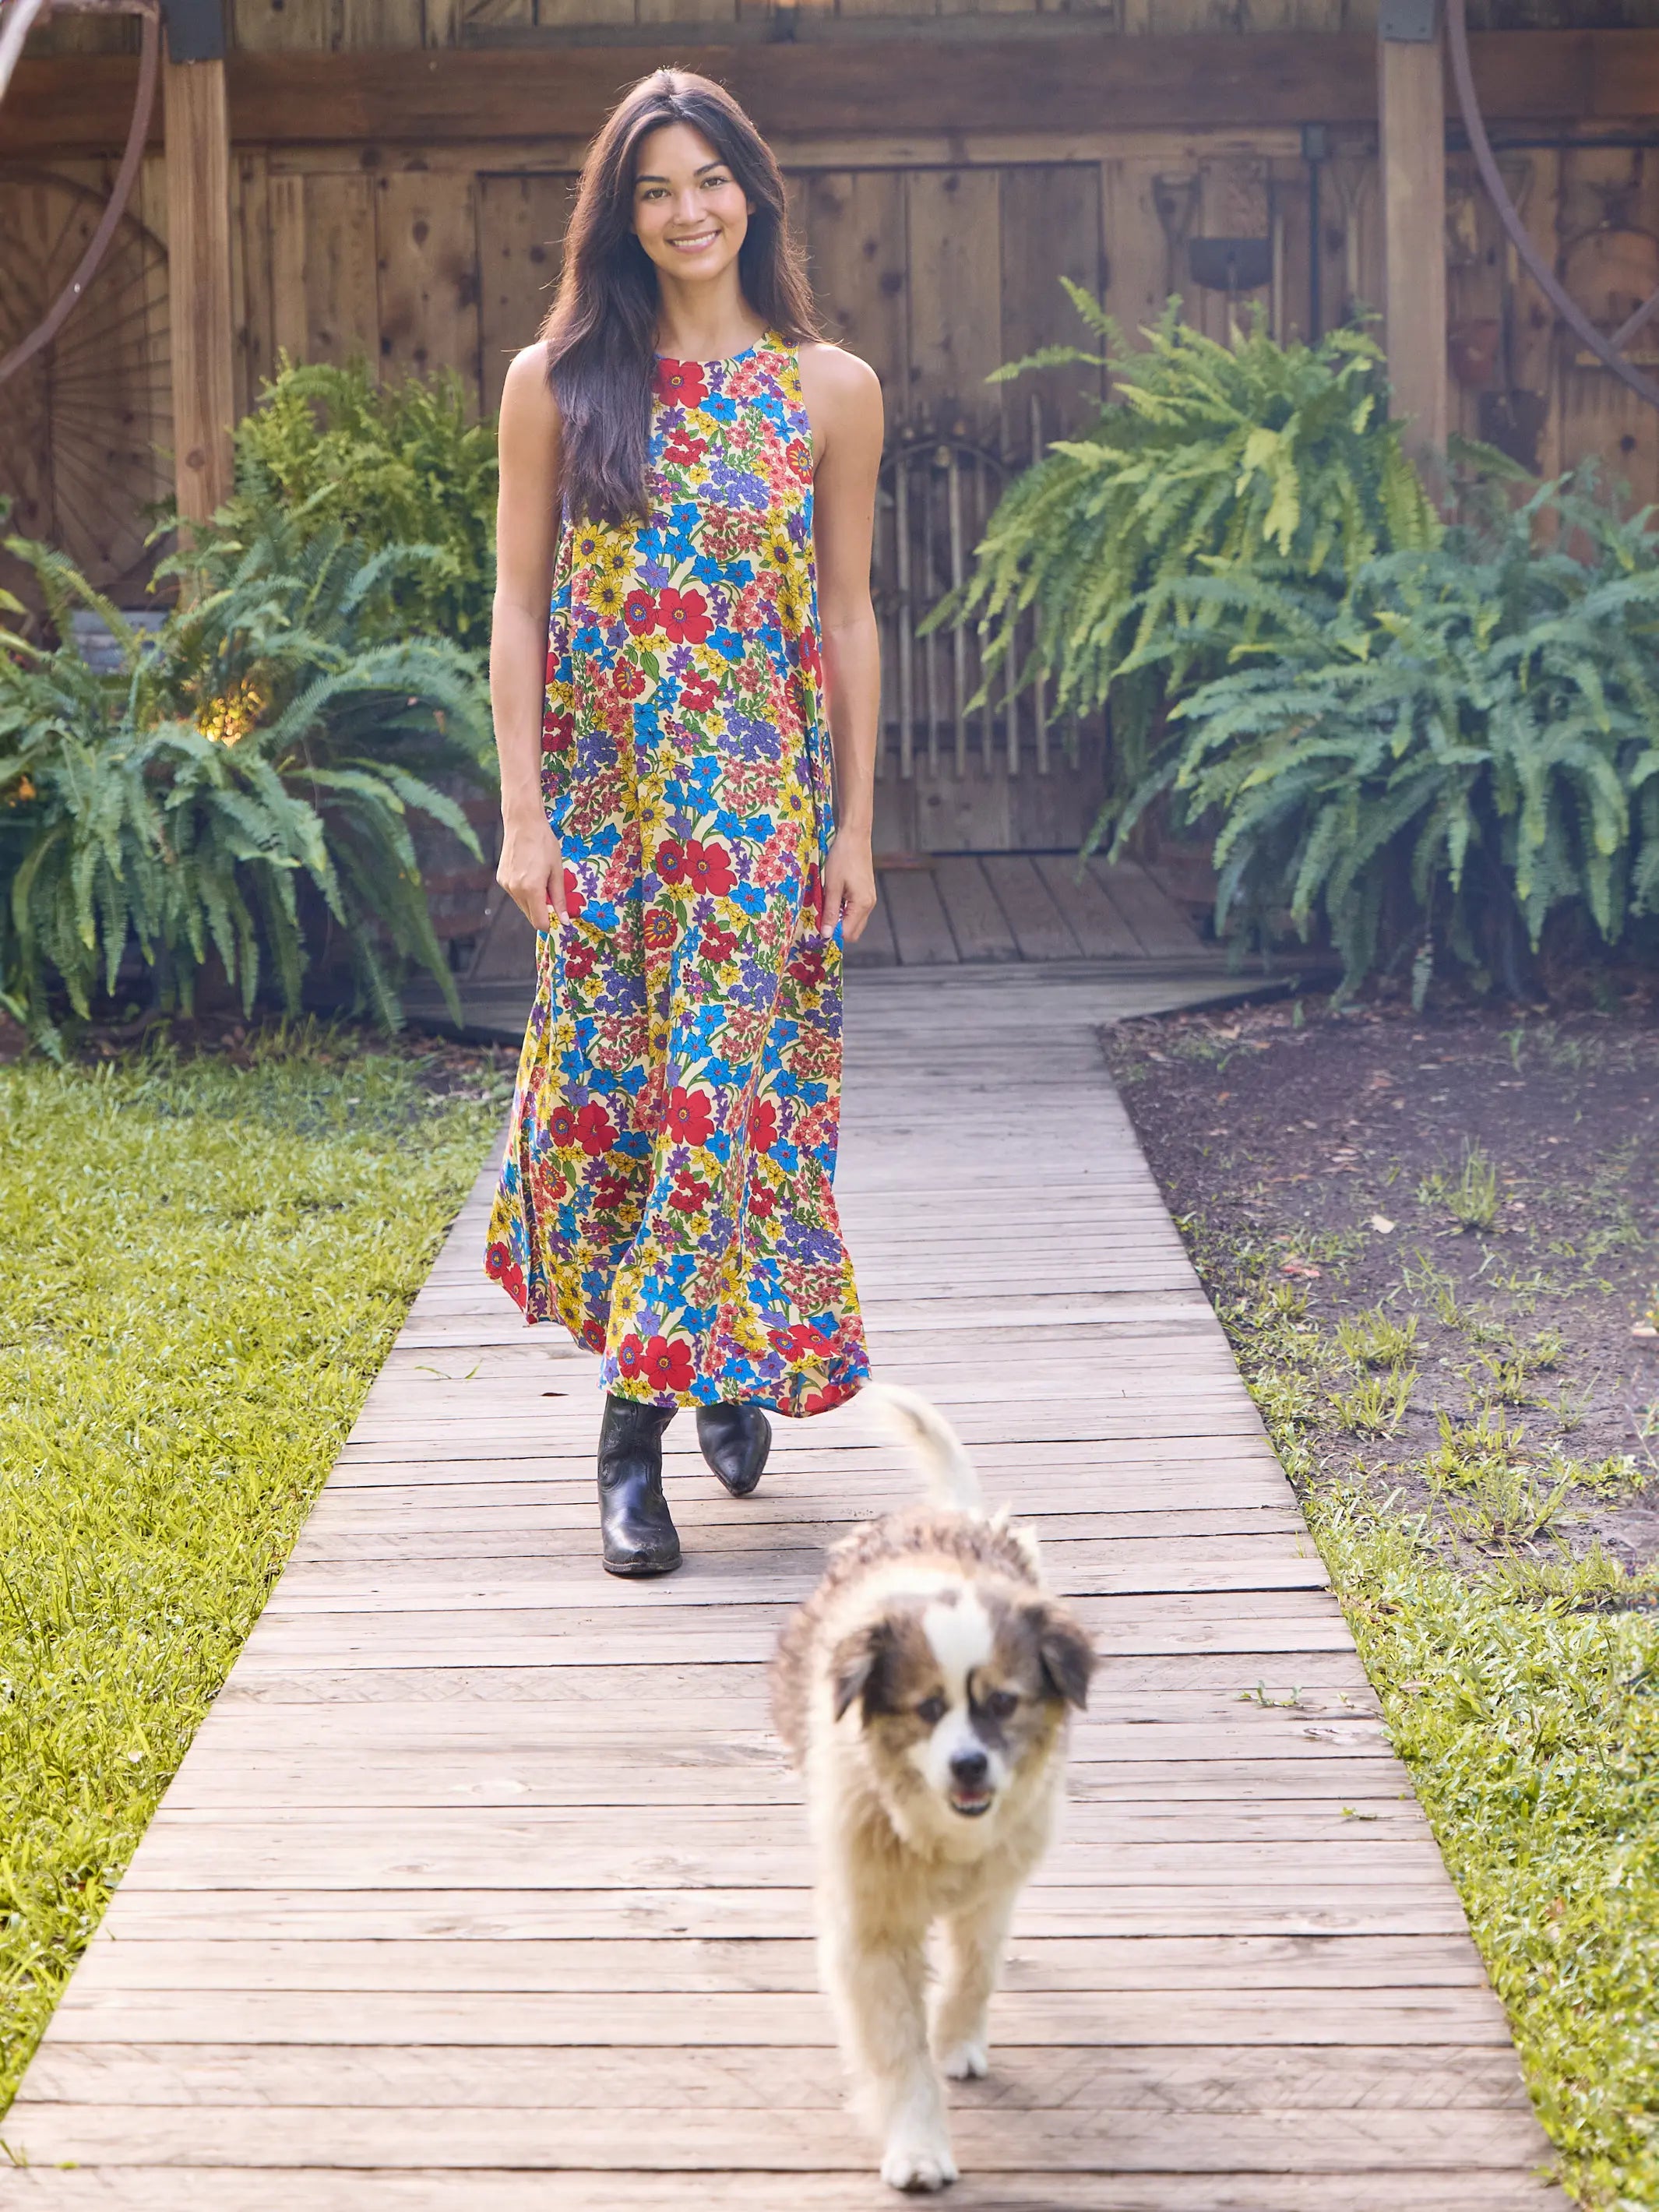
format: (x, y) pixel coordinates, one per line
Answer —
(969, 1768)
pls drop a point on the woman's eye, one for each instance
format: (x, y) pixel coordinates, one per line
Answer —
(931, 1712)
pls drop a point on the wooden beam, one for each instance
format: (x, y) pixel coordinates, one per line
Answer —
(1091, 81)
(1411, 97)
(198, 284)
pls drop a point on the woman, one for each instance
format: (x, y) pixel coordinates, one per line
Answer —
(689, 476)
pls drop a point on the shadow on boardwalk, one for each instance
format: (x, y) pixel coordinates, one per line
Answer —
(482, 1888)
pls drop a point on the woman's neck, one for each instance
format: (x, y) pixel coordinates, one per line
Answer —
(705, 322)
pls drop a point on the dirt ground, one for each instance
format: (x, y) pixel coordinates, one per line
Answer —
(1458, 1215)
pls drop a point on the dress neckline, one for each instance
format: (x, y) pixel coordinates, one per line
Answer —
(724, 360)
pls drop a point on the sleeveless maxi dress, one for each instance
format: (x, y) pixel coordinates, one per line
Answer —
(666, 1187)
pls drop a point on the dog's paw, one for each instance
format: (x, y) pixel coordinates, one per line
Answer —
(967, 2061)
(919, 2165)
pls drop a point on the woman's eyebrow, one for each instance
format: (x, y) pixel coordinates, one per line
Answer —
(650, 176)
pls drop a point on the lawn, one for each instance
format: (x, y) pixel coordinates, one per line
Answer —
(1430, 1240)
(203, 1259)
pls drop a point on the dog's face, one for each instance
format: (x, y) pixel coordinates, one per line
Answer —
(961, 1693)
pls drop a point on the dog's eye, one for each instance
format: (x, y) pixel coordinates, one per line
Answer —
(999, 1705)
(931, 1712)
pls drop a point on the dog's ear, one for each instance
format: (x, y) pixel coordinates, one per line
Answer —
(856, 1666)
(1064, 1653)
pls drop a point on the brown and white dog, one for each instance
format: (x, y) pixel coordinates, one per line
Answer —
(923, 1691)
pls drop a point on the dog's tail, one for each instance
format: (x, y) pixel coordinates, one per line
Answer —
(924, 1432)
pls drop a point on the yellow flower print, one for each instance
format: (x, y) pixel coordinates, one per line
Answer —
(585, 546)
(605, 596)
(617, 561)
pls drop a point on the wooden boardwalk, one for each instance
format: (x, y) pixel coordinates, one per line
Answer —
(482, 1888)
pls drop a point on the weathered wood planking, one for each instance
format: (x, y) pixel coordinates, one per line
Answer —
(484, 1883)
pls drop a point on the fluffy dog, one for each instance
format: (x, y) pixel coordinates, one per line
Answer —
(923, 1691)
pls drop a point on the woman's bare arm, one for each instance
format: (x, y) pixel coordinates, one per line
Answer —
(844, 400)
(531, 871)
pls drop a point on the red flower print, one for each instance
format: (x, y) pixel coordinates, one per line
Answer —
(689, 1117)
(698, 694)
(763, 1204)
(763, 1126)
(680, 383)
(629, 682)
(671, 859)
(666, 1364)
(685, 616)
(659, 930)
(820, 1402)
(503, 1268)
(717, 945)
(596, 1132)
(558, 731)
(552, 664)
(708, 868)
(629, 1353)
(689, 1195)
(808, 961)
(561, 1125)
(640, 612)
(807, 1342)
(682, 449)
(574, 900)
(578, 960)
(608, 1191)
(594, 1335)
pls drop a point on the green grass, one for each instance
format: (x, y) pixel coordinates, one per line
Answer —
(202, 1265)
(1520, 1686)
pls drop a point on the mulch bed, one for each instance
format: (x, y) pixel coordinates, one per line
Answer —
(1331, 1152)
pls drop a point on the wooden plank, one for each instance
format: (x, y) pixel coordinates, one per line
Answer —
(1100, 930)
(1157, 923)
(769, 2141)
(225, 2189)
(1051, 227)
(426, 245)
(1167, 2079)
(855, 243)
(340, 320)
(922, 930)
(203, 315)
(521, 225)
(977, 922)
(1040, 929)
(1413, 120)
(952, 242)
(1072, 81)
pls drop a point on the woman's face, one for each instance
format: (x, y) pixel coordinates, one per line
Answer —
(690, 212)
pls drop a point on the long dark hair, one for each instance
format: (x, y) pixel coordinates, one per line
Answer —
(600, 332)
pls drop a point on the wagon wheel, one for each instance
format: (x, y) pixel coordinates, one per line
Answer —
(85, 422)
(1608, 346)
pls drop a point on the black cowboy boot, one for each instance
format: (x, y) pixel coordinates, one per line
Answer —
(639, 1536)
(735, 1440)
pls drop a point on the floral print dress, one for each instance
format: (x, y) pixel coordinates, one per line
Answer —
(666, 1189)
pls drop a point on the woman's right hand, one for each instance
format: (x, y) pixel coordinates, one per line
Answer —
(532, 869)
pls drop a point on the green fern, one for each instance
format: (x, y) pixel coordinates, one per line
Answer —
(1462, 752)
(247, 779)
(397, 464)
(1213, 459)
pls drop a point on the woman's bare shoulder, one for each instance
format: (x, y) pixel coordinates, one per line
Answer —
(838, 376)
(527, 391)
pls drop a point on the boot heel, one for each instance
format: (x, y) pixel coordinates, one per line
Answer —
(636, 1530)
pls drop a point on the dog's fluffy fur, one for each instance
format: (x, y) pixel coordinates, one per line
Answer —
(923, 1691)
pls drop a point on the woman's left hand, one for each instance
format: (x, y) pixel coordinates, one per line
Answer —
(849, 886)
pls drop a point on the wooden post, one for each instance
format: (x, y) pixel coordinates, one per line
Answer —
(1412, 91)
(198, 284)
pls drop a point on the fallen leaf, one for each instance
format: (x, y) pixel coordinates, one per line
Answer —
(1299, 1267)
(1383, 1226)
